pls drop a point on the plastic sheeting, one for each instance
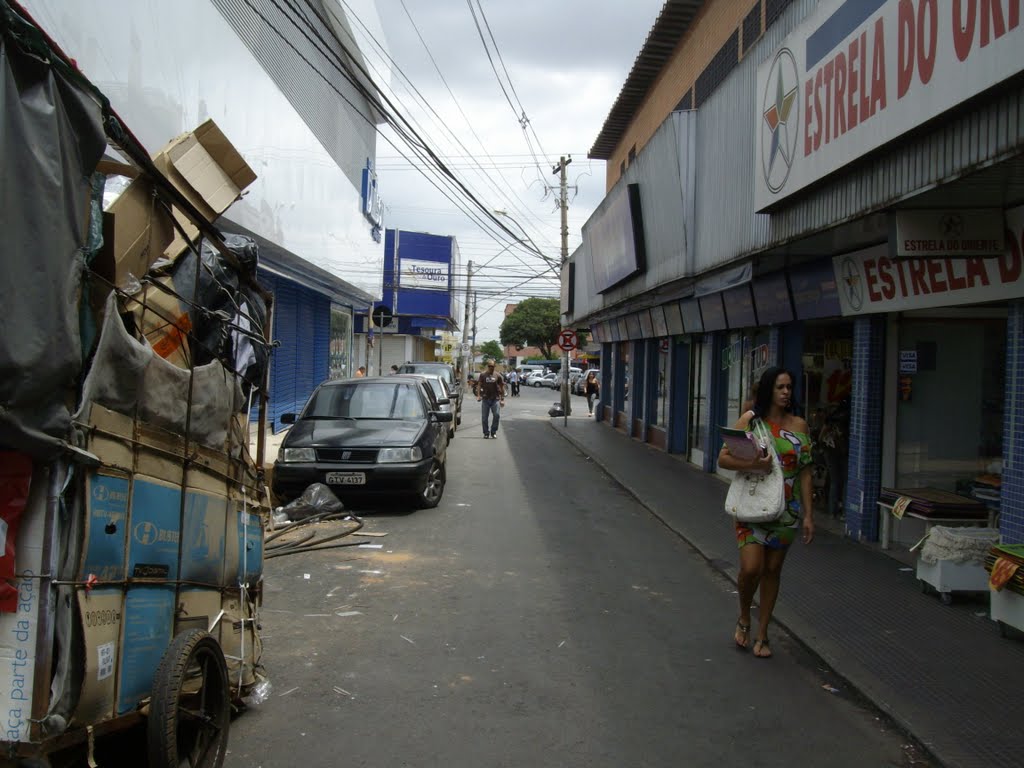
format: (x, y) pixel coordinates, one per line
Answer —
(128, 377)
(51, 138)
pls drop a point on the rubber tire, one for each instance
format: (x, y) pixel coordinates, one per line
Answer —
(162, 736)
(422, 502)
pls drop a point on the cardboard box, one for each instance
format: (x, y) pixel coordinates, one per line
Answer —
(164, 321)
(100, 611)
(206, 168)
(142, 230)
(18, 630)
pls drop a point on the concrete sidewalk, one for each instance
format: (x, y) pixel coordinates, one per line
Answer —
(942, 673)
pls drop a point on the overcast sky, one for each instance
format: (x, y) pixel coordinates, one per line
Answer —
(567, 61)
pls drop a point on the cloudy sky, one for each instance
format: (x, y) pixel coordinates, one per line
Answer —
(567, 61)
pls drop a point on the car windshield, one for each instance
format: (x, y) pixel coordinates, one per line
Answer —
(370, 400)
(438, 387)
(435, 369)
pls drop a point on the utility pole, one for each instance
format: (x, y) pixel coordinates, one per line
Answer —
(559, 170)
(467, 363)
(472, 345)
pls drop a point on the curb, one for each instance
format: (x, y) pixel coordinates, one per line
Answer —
(857, 679)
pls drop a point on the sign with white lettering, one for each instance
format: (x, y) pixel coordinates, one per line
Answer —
(857, 74)
(950, 233)
(908, 361)
(870, 281)
(421, 274)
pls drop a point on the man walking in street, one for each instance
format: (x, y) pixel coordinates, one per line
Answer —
(490, 390)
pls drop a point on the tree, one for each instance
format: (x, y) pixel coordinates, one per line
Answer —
(533, 323)
(493, 350)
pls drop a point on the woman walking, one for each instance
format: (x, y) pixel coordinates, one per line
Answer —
(592, 388)
(763, 546)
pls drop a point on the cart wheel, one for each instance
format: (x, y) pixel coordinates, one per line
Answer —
(946, 598)
(924, 586)
(190, 709)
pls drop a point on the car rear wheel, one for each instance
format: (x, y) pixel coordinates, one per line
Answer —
(432, 492)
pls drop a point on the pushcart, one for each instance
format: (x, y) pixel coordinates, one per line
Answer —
(131, 509)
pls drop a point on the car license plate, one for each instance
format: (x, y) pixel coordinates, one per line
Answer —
(346, 478)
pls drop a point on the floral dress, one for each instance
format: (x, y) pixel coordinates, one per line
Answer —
(794, 449)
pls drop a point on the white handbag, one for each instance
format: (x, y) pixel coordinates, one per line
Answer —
(755, 497)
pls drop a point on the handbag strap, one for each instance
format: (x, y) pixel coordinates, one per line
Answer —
(765, 434)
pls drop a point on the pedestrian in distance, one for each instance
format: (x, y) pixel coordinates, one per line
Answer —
(763, 546)
(490, 391)
(360, 371)
(394, 370)
(513, 383)
(592, 388)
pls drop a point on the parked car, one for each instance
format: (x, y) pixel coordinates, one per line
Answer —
(547, 380)
(372, 437)
(444, 369)
(445, 399)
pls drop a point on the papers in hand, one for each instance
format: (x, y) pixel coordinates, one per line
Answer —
(742, 445)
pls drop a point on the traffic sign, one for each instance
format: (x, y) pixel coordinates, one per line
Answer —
(567, 340)
(465, 348)
(382, 315)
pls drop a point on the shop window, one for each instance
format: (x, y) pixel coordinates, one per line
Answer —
(659, 384)
(700, 416)
(950, 404)
(340, 354)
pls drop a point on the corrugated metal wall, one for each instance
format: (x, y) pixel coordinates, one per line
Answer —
(302, 326)
(665, 169)
(296, 67)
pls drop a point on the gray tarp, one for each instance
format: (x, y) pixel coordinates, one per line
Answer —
(51, 137)
(128, 377)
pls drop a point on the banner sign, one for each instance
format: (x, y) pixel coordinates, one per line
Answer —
(870, 281)
(950, 233)
(860, 73)
(420, 274)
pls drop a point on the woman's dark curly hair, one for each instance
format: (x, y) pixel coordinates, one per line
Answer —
(765, 388)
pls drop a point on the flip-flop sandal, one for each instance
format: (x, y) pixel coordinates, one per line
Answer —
(760, 646)
(745, 629)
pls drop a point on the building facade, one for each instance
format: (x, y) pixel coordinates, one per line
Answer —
(307, 131)
(834, 187)
(420, 295)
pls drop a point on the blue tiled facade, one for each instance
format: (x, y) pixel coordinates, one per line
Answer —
(1011, 518)
(774, 345)
(865, 462)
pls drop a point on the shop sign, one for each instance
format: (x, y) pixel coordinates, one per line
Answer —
(421, 274)
(860, 73)
(950, 233)
(370, 202)
(870, 281)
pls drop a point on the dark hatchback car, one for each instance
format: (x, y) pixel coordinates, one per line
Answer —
(366, 438)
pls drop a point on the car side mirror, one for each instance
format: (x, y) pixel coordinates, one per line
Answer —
(440, 416)
(287, 418)
(444, 401)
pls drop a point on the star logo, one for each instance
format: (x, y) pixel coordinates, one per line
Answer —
(952, 225)
(852, 283)
(780, 120)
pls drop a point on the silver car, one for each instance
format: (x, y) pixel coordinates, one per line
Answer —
(445, 401)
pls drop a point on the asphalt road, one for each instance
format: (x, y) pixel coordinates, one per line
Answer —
(538, 617)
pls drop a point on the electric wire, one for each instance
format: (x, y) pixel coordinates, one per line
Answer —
(475, 163)
(391, 114)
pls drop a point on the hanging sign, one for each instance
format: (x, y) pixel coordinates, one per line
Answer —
(871, 281)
